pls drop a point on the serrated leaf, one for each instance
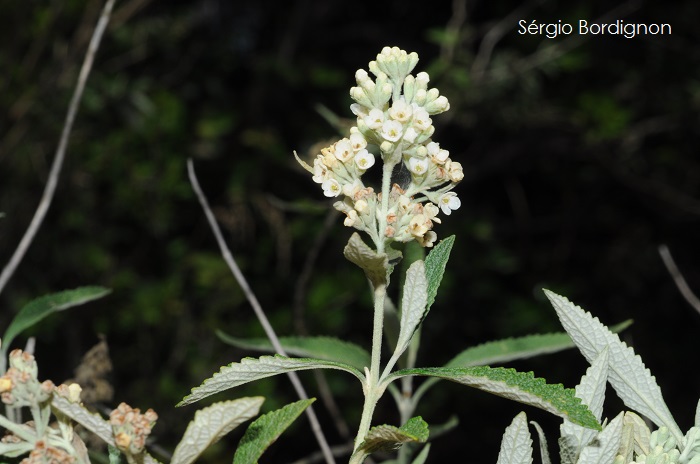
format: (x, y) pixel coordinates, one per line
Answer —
(516, 445)
(523, 387)
(627, 374)
(606, 446)
(327, 348)
(413, 305)
(375, 265)
(390, 438)
(511, 349)
(211, 424)
(77, 412)
(38, 309)
(435, 264)
(250, 369)
(697, 415)
(591, 390)
(265, 430)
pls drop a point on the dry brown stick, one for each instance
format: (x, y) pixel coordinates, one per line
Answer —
(678, 278)
(52, 181)
(257, 308)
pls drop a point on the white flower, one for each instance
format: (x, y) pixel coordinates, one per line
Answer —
(364, 159)
(343, 150)
(375, 119)
(417, 166)
(419, 225)
(331, 188)
(449, 202)
(431, 211)
(392, 130)
(358, 141)
(438, 155)
(401, 111)
(454, 171)
(321, 172)
(361, 206)
(351, 219)
(421, 119)
(410, 135)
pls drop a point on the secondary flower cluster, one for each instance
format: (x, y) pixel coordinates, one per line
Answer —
(131, 428)
(393, 114)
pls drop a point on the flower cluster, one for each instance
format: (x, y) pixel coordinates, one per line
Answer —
(663, 448)
(20, 386)
(131, 428)
(393, 114)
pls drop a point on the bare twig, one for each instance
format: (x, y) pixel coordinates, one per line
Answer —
(678, 278)
(253, 300)
(51, 183)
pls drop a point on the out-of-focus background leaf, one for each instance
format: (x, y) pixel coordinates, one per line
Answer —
(580, 154)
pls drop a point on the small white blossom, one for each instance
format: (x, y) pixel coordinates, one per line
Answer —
(364, 159)
(419, 225)
(361, 206)
(401, 111)
(343, 150)
(331, 188)
(321, 172)
(410, 135)
(375, 119)
(431, 211)
(449, 202)
(357, 141)
(454, 170)
(438, 155)
(417, 166)
(421, 119)
(351, 218)
(392, 130)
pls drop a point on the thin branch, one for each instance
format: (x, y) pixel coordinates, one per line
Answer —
(52, 182)
(257, 308)
(678, 278)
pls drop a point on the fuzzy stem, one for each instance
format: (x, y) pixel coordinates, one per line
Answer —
(372, 392)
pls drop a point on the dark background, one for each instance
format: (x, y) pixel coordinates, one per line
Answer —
(580, 158)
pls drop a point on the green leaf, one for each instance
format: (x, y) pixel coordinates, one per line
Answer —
(328, 348)
(390, 438)
(516, 445)
(250, 369)
(627, 374)
(413, 305)
(511, 349)
(435, 264)
(375, 265)
(38, 309)
(211, 424)
(523, 387)
(265, 430)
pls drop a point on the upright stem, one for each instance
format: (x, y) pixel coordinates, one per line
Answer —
(372, 394)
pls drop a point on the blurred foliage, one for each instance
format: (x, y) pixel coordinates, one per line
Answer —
(580, 156)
